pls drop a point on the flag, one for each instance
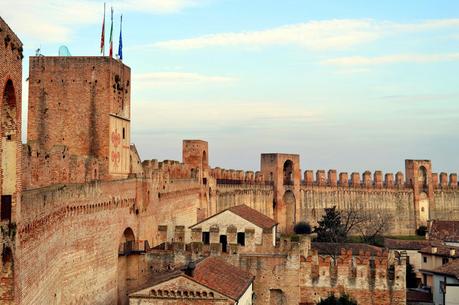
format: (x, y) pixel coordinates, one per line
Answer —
(102, 37)
(120, 44)
(111, 35)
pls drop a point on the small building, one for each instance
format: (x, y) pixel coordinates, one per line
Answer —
(445, 283)
(232, 225)
(210, 281)
(411, 248)
(434, 257)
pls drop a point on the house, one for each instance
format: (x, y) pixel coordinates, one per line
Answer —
(209, 281)
(233, 224)
(445, 283)
(411, 248)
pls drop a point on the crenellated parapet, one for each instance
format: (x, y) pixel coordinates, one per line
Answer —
(363, 276)
(237, 177)
(444, 181)
(377, 180)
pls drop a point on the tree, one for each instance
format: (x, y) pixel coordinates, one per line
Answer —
(344, 299)
(421, 231)
(330, 229)
(302, 228)
(411, 279)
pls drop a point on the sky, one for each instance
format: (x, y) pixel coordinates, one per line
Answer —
(348, 85)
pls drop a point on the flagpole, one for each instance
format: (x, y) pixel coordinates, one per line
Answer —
(120, 44)
(102, 38)
(111, 34)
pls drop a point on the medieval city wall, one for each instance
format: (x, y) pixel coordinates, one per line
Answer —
(371, 280)
(70, 235)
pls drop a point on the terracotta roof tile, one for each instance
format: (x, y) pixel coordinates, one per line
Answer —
(399, 244)
(445, 230)
(451, 269)
(252, 215)
(442, 250)
(249, 214)
(413, 295)
(222, 277)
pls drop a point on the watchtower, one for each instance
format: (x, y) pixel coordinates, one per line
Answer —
(283, 171)
(419, 177)
(84, 104)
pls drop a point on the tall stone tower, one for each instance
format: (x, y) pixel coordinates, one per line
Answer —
(419, 177)
(10, 155)
(283, 170)
(82, 103)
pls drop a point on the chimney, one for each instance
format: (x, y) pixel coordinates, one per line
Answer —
(452, 252)
(434, 250)
(189, 270)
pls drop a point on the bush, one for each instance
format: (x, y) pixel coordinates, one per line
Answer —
(421, 231)
(302, 228)
(344, 299)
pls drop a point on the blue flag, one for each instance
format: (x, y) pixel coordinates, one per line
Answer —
(120, 45)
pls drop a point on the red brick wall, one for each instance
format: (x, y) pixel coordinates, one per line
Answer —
(70, 99)
(10, 70)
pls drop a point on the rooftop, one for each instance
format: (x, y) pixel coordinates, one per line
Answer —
(249, 214)
(445, 230)
(223, 277)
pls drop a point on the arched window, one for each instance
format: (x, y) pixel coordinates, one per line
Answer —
(9, 112)
(288, 172)
(422, 175)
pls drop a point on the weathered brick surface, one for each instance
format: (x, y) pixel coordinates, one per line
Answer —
(10, 152)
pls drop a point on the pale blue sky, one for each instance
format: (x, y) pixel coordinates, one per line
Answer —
(351, 85)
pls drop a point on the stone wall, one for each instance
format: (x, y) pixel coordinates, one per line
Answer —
(10, 155)
(370, 280)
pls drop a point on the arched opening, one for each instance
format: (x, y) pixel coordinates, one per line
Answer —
(126, 265)
(288, 172)
(205, 162)
(423, 208)
(422, 179)
(7, 275)
(286, 212)
(9, 149)
(277, 297)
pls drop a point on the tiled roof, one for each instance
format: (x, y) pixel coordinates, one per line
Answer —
(222, 277)
(442, 250)
(331, 248)
(252, 215)
(399, 244)
(413, 295)
(249, 214)
(445, 230)
(451, 269)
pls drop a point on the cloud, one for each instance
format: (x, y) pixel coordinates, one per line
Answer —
(219, 115)
(313, 35)
(55, 20)
(353, 61)
(154, 79)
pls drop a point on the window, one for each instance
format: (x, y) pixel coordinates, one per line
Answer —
(124, 133)
(5, 213)
(241, 238)
(444, 260)
(205, 238)
(424, 259)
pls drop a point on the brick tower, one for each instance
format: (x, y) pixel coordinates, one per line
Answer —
(82, 103)
(283, 170)
(10, 155)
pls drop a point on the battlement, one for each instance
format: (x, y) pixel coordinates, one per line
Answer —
(377, 179)
(366, 180)
(231, 176)
(362, 276)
